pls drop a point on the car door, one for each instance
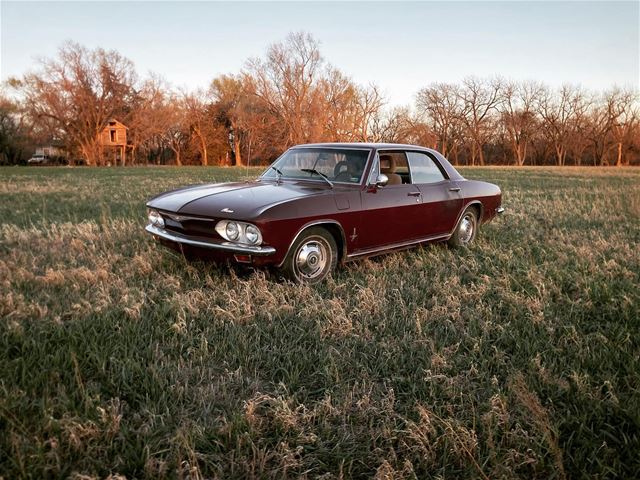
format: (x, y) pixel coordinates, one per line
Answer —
(389, 213)
(441, 198)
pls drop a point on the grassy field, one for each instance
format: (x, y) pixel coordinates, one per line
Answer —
(516, 358)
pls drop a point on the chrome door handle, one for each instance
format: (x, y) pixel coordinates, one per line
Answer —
(454, 189)
(414, 194)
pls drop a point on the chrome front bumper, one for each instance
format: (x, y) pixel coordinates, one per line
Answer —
(499, 210)
(210, 243)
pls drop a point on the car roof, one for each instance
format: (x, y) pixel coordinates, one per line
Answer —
(361, 145)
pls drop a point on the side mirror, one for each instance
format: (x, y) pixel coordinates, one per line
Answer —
(381, 180)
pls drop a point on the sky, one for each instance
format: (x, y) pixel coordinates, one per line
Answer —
(399, 46)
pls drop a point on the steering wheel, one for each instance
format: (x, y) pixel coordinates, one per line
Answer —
(338, 167)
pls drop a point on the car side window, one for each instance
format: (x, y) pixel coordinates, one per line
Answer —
(424, 169)
(394, 165)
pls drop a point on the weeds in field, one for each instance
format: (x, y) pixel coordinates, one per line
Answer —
(515, 358)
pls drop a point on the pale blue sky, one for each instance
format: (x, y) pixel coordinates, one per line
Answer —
(401, 46)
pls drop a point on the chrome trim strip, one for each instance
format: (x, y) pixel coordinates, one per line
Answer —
(313, 224)
(212, 244)
(177, 217)
(308, 179)
(499, 210)
(395, 246)
(333, 147)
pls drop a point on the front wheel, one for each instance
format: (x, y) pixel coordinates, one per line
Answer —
(312, 256)
(466, 229)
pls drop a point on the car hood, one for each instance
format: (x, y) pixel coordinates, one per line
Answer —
(238, 200)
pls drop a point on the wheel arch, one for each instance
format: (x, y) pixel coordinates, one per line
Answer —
(333, 227)
(477, 205)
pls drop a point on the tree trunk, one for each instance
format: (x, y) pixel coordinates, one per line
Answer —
(619, 159)
(519, 154)
(178, 159)
(205, 157)
(480, 155)
(236, 151)
(90, 153)
(560, 154)
(599, 155)
(455, 155)
(249, 152)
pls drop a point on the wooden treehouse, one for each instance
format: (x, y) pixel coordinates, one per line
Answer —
(113, 143)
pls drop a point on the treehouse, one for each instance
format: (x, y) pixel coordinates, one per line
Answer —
(113, 143)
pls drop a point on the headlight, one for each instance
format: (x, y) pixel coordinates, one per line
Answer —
(239, 232)
(155, 219)
(232, 231)
(252, 234)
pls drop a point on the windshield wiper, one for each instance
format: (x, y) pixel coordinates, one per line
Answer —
(278, 172)
(313, 170)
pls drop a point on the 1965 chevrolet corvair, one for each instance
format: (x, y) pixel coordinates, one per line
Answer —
(321, 204)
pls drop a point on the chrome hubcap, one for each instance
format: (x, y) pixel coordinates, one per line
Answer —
(466, 228)
(311, 258)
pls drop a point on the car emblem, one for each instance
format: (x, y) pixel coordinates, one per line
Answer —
(226, 210)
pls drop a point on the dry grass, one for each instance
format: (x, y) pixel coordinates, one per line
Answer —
(516, 358)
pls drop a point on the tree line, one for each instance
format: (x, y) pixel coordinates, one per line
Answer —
(291, 95)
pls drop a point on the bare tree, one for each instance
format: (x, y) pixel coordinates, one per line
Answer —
(623, 111)
(79, 92)
(441, 105)
(150, 118)
(231, 97)
(518, 116)
(598, 129)
(480, 100)
(286, 81)
(199, 121)
(391, 126)
(261, 131)
(335, 109)
(176, 136)
(561, 113)
(369, 101)
(606, 115)
(16, 130)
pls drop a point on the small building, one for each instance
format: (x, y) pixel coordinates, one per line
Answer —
(113, 142)
(51, 150)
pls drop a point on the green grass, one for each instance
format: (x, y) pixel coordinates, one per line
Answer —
(516, 358)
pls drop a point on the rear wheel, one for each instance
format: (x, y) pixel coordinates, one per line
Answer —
(466, 229)
(312, 256)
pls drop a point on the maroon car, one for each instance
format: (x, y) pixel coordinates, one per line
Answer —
(321, 204)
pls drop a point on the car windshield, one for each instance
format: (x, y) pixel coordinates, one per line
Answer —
(335, 164)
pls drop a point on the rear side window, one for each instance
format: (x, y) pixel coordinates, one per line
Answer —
(424, 169)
